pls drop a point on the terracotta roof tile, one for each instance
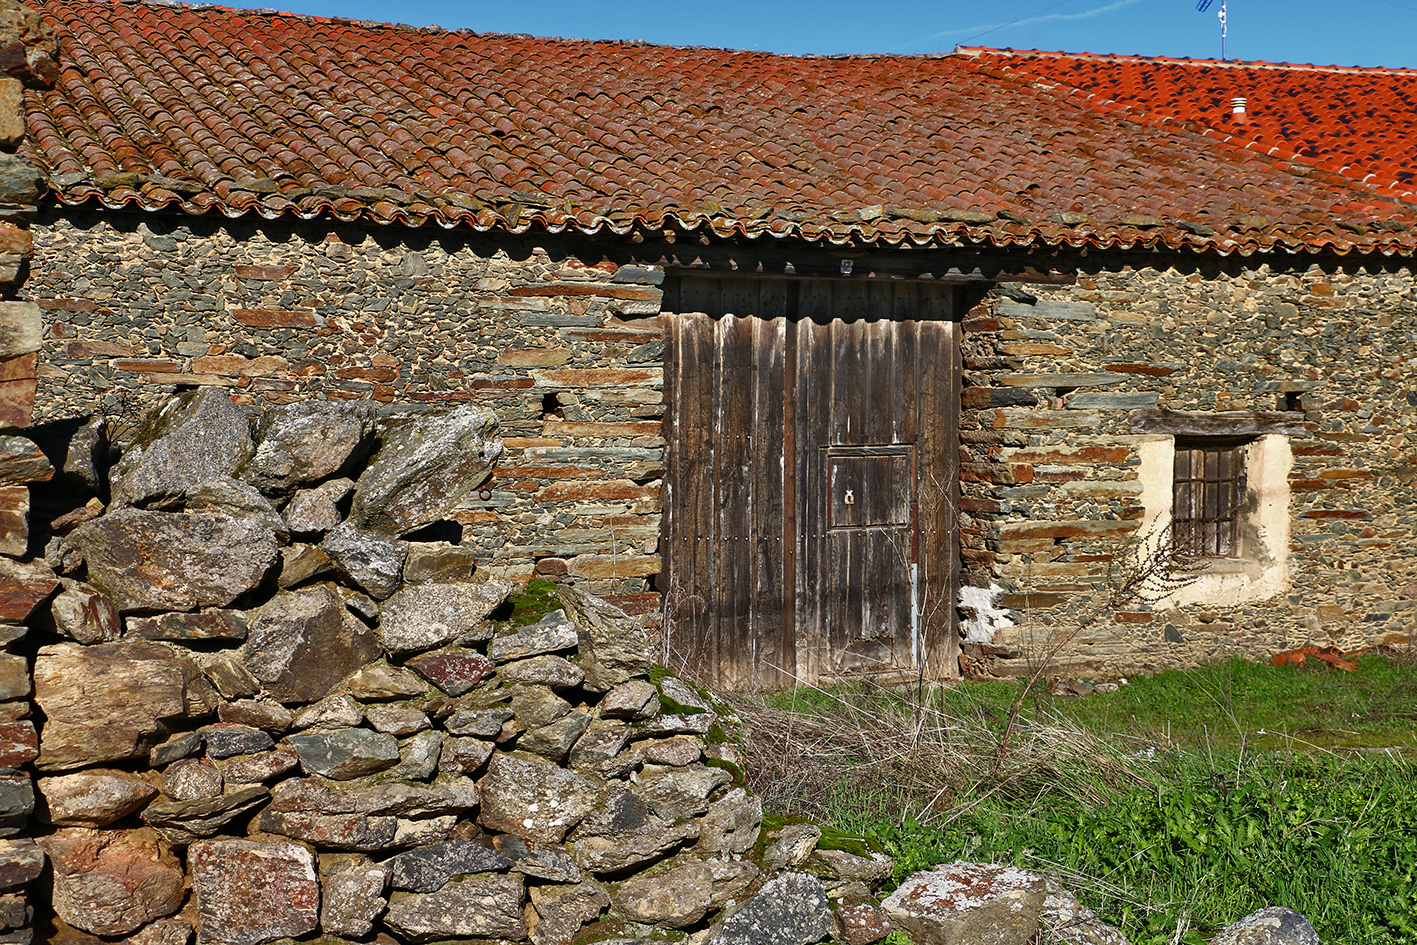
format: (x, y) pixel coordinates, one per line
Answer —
(202, 108)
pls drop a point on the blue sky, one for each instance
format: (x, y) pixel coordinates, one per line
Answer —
(1337, 32)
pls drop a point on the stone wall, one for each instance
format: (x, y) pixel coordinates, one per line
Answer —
(1053, 490)
(566, 350)
(272, 709)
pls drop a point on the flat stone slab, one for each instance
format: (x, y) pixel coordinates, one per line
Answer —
(251, 892)
(347, 753)
(963, 903)
(426, 616)
(789, 910)
(91, 798)
(428, 869)
(551, 634)
(481, 906)
(161, 561)
(454, 671)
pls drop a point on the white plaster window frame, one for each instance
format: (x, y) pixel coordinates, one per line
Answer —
(1260, 568)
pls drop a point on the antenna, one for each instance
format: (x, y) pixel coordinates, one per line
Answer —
(1202, 6)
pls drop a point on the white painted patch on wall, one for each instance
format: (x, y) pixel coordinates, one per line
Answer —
(987, 619)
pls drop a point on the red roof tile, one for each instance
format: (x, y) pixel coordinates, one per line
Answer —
(206, 109)
(1358, 121)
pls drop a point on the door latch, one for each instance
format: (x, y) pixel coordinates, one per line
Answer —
(850, 497)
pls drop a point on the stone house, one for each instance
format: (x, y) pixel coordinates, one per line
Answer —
(831, 366)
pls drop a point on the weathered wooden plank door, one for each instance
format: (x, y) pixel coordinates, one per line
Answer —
(811, 481)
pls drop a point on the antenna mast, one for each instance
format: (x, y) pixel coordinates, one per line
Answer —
(1202, 6)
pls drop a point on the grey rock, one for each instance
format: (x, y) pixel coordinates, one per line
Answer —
(554, 741)
(438, 561)
(182, 822)
(602, 742)
(848, 867)
(622, 811)
(463, 755)
(730, 878)
(228, 496)
(303, 644)
(676, 898)
(22, 462)
(21, 862)
(685, 712)
(1273, 925)
(301, 563)
(382, 681)
(113, 701)
(419, 757)
(84, 614)
(1064, 920)
(534, 800)
(253, 769)
(396, 720)
(192, 779)
(481, 723)
(353, 895)
(423, 831)
(156, 561)
(266, 716)
(316, 511)
(94, 798)
(112, 882)
(16, 803)
(677, 750)
(962, 903)
(302, 443)
(220, 625)
(623, 850)
(178, 746)
(373, 562)
(791, 846)
(426, 616)
(636, 699)
(480, 906)
(335, 831)
(336, 711)
(732, 823)
(187, 441)
(613, 648)
(454, 670)
(538, 861)
(86, 457)
(789, 910)
(682, 792)
(552, 633)
(428, 869)
(226, 739)
(251, 892)
(553, 671)
(427, 464)
(537, 705)
(558, 912)
(347, 753)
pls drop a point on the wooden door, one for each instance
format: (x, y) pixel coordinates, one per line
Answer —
(811, 480)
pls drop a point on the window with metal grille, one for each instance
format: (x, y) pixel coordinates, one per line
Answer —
(1208, 497)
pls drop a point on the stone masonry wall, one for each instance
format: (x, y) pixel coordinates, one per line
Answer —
(567, 351)
(1051, 491)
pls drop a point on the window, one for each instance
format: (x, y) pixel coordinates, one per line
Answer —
(1208, 497)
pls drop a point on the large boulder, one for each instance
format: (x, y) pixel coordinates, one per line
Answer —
(481, 906)
(155, 561)
(427, 463)
(789, 910)
(367, 559)
(111, 882)
(187, 441)
(966, 903)
(114, 700)
(306, 442)
(425, 616)
(91, 798)
(251, 892)
(534, 800)
(303, 644)
(613, 648)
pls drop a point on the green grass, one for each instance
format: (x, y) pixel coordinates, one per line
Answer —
(1188, 799)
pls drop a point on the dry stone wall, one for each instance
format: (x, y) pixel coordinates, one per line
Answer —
(266, 710)
(1052, 497)
(566, 350)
